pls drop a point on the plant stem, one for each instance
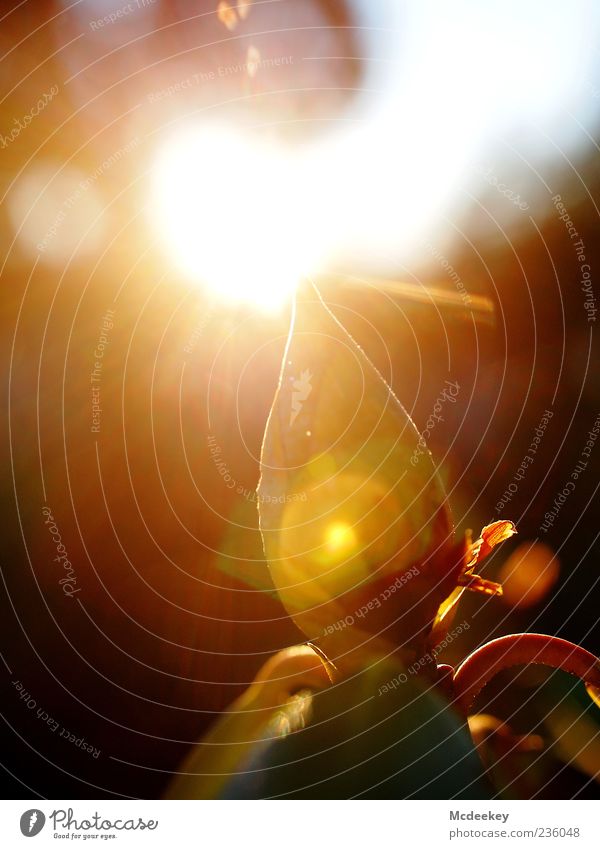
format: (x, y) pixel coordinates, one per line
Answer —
(515, 649)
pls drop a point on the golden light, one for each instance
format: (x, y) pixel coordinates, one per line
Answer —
(236, 215)
(340, 538)
(529, 574)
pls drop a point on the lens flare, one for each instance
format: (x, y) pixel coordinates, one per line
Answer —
(340, 538)
(529, 574)
(237, 216)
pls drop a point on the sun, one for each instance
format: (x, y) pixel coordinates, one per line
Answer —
(340, 538)
(236, 215)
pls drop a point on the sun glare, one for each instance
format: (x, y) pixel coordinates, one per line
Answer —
(340, 538)
(236, 215)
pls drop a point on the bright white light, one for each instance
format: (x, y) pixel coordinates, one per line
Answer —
(463, 86)
(236, 215)
(451, 89)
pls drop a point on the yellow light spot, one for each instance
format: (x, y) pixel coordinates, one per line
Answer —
(227, 15)
(252, 61)
(529, 574)
(243, 8)
(340, 538)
